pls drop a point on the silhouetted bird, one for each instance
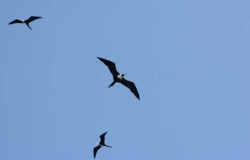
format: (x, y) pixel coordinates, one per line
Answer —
(101, 144)
(27, 21)
(119, 77)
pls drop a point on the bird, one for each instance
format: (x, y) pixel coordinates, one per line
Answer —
(27, 21)
(101, 144)
(119, 77)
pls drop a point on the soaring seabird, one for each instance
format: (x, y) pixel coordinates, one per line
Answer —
(27, 21)
(119, 77)
(101, 143)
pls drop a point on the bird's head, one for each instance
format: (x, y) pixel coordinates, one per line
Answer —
(123, 75)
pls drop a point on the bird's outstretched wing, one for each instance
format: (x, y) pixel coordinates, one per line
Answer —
(96, 149)
(111, 66)
(103, 138)
(32, 18)
(131, 86)
(16, 21)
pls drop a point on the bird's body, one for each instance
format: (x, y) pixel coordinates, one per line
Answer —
(118, 77)
(101, 144)
(27, 21)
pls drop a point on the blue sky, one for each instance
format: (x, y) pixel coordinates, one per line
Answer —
(188, 59)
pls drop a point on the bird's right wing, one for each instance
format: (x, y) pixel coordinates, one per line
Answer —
(131, 86)
(32, 18)
(16, 21)
(96, 149)
(111, 66)
(103, 138)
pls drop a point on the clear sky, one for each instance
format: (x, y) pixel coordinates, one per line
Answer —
(188, 59)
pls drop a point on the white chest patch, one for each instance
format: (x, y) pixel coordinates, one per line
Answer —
(119, 76)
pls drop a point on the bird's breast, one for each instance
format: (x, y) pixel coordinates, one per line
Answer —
(119, 76)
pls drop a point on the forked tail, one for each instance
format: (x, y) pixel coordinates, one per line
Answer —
(112, 84)
(108, 146)
(28, 25)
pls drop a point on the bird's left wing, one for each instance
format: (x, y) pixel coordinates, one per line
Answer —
(131, 86)
(96, 149)
(111, 66)
(32, 18)
(16, 21)
(102, 137)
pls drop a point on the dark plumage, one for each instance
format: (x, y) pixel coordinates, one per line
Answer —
(27, 21)
(101, 144)
(119, 77)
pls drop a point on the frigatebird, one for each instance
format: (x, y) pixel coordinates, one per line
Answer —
(101, 144)
(27, 21)
(119, 77)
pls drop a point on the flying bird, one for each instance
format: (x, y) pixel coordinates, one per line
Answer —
(119, 77)
(101, 144)
(27, 21)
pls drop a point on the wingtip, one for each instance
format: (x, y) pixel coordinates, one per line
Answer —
(104, 133)
(137, 96)
(36, 16)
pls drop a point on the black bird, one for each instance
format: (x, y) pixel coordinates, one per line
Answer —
(101, 143)
(119, 77)
(27, 21)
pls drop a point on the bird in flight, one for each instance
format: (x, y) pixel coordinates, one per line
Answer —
(27, 21)
(101, 144)
(119, 77)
